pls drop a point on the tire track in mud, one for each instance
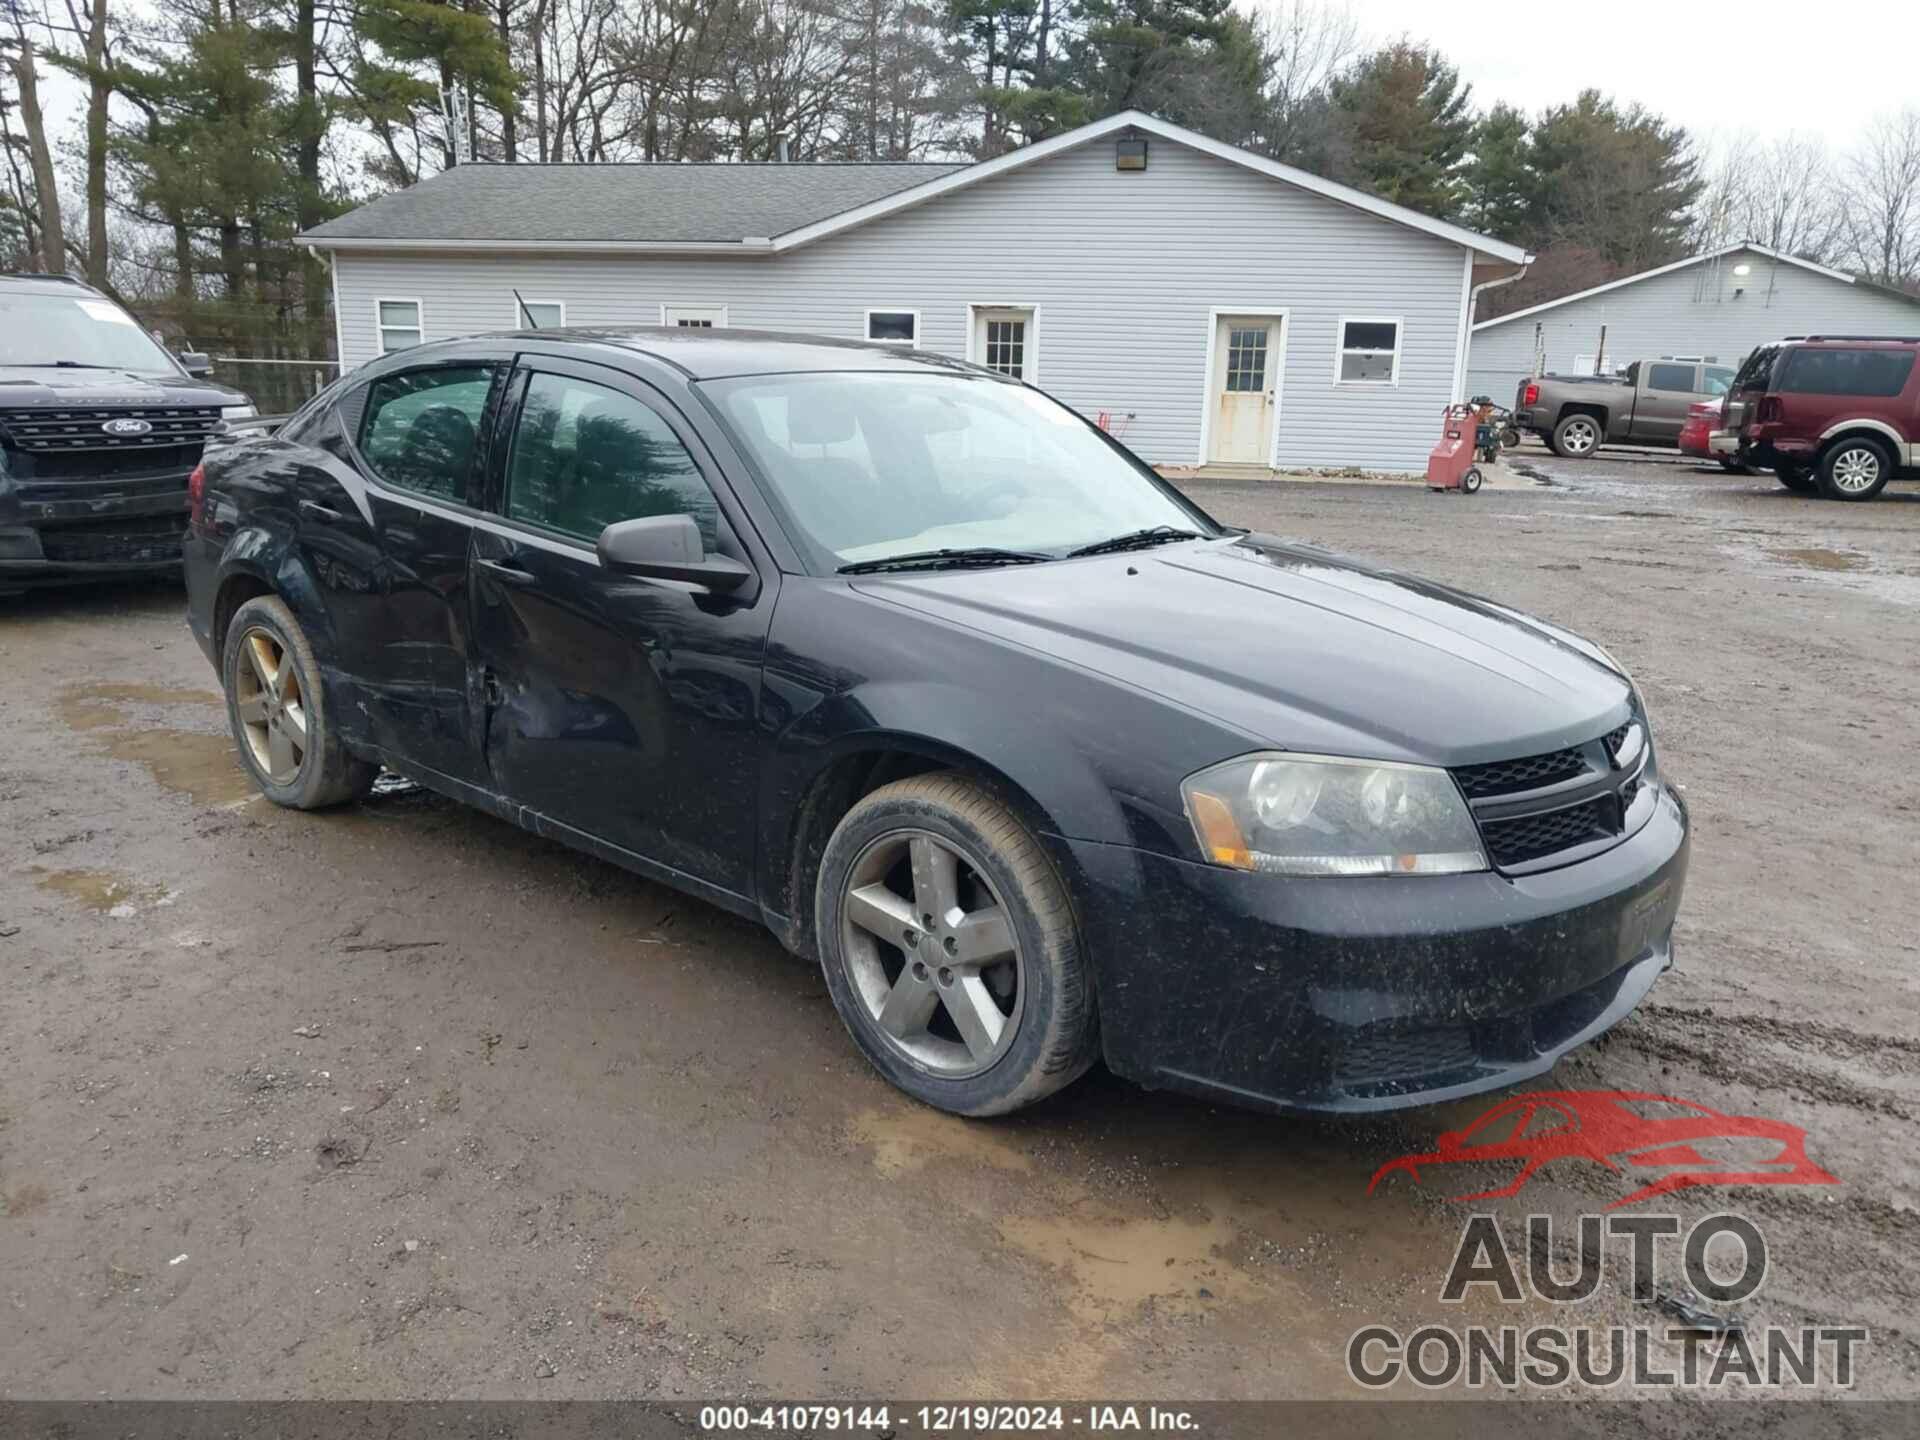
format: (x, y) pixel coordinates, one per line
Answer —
(1653, 1034)
(1860, 1042)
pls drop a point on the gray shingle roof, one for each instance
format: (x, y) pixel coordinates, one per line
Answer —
(622, 203)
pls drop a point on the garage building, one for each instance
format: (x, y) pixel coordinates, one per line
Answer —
(1210, 306)
(1715, 307)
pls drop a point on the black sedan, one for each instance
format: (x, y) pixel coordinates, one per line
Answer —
(957, 696)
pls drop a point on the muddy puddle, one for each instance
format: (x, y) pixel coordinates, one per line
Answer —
(1827, 566)
(176, 734)
(106, 891)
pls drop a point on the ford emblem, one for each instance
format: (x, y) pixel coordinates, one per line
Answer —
(126, 427)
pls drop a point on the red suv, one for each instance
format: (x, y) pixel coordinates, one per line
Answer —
(1837, 413)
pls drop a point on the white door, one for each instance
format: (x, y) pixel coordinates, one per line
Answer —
(1004, 340)
(693, 317)
(1246, 380)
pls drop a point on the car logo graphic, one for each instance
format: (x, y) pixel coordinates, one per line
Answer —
(1626, 1131)
(126, 427)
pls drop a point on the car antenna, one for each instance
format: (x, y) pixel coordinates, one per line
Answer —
(525, 314)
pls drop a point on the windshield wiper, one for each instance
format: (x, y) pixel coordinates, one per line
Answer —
(1138, 540)
(972, 556)
(67, 365)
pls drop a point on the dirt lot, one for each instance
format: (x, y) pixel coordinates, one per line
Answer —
(402, 1102)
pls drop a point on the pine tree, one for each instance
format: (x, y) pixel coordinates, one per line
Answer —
(1403, 124)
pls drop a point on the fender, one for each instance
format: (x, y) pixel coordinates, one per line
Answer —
(1893, 436)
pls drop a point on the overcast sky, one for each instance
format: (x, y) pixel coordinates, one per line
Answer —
(1718, 67)
(1721, 68)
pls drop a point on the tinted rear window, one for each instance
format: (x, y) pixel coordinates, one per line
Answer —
(1846, 372)
(1671, 377)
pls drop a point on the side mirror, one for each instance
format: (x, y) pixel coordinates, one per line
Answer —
(668, 547)
(196, 363)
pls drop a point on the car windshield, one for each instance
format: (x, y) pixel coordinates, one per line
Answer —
(81, 329)
(866, 467)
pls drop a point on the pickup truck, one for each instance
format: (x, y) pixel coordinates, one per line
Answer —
(1644, 405)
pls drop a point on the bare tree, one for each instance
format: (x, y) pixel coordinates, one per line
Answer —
(19, 52)
(1880, 220)
(1303, 43)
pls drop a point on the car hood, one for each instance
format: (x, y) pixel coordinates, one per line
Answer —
(32, 386)
(1296, 647)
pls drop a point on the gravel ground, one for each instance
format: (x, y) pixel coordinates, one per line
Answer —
(401, 1102)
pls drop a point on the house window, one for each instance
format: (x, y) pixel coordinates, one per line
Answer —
(1369, 351)
(399, 324)
(894, 327)
(1247, 358)
(541, 314)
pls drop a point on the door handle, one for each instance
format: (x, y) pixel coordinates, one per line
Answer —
(325, 514)
(510, 574)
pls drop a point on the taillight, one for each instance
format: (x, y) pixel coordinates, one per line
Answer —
(1530, 396)
(1771, 411)
(196, 494)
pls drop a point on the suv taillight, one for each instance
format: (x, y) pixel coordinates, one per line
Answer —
(1771, 411)
(196, 494)
(1530, 396)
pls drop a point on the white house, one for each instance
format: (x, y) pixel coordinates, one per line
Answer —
(1715, 306)
(1213, 306)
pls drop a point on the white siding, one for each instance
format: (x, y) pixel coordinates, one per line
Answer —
(1123, 268)
(1691, 311)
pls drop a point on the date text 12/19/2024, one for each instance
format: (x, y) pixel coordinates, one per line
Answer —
(943, 1419)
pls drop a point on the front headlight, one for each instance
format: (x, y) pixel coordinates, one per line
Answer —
(237, 412)
(1324, 815)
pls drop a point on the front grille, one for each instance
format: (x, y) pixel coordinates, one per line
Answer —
(61, 432)
(85, 465)
(1532, 772)
(1617, 738)
(134, 541)
(1529, 837)
(1386, 1053)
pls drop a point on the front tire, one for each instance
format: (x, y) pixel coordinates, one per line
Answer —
(950, 948)
(1855, 469)
(277, 712)
(1576, 437)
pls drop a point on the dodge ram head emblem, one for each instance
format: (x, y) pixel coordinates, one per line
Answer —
(126, 427)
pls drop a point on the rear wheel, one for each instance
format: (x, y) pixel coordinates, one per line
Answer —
(1855, 469)
(278, 713)
(950, 949)
(1576, 437)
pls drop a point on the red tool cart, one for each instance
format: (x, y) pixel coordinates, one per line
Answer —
(1450, 463)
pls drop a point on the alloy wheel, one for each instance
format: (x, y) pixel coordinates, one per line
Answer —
(273, 714)
(1580, 436)
(930, 951)
(1855, 469)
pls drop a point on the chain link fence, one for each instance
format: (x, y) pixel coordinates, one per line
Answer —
(276, 387)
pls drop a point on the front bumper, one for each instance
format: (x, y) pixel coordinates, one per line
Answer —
(66, 534)
(1351, 995)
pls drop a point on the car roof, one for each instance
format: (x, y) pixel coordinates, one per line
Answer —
(710, 354)
(34, 283)
(1853, 341)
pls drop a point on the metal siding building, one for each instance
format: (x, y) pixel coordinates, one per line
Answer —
(1120, 281)
(1703, 306)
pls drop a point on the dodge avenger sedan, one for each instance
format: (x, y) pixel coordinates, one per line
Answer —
(959, 698)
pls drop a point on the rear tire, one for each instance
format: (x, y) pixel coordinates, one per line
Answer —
(917, 878)
(276, 708)
(1855, 468)
(1576, 437)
